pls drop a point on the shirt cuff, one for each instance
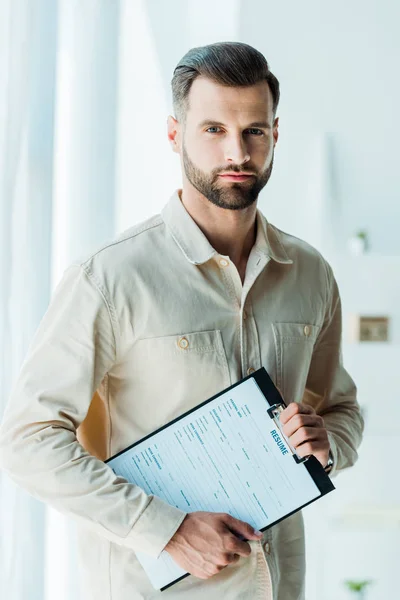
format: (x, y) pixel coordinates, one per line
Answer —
(155, 527)
(334, 451)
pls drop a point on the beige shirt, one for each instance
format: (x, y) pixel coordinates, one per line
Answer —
(106, 368)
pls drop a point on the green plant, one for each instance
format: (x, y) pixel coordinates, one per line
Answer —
(357, 586)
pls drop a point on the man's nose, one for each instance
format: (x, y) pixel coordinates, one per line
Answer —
(236, 150)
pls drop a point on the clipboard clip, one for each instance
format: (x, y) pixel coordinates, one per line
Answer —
(274, 411)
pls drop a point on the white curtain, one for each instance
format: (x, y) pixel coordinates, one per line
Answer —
(58, 81)
(27, 42)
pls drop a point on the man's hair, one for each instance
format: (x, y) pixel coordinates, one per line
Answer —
(232, 64)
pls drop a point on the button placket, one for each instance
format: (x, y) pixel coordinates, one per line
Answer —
(231, 279)
(248, 331)
(250, 346)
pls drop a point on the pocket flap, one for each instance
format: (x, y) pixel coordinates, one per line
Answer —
(198, 341)
(296, 331)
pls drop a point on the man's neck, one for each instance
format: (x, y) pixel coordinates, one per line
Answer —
(230, 232)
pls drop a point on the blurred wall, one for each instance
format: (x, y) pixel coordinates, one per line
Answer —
(336, 65)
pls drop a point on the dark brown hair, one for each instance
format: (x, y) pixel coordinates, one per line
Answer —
(229, 63)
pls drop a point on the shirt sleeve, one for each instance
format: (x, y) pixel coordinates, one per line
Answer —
(73, 348)
(330, 390)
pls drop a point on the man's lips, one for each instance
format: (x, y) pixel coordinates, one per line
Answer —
(236, 176)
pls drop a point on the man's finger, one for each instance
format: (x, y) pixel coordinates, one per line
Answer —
(295, 408)
(233, 558)
(241, 528)
(302, 420)
(305, 434)
(237, 547)
(313, 447)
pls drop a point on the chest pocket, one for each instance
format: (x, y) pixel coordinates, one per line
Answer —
(294, 344)
(177, 372)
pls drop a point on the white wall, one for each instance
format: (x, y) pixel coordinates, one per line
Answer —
(337, 65)
(354, 533)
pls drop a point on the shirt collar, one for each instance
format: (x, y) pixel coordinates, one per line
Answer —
(196, 247)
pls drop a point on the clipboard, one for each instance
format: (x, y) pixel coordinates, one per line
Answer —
(139, 462)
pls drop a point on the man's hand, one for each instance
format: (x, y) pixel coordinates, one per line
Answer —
(306, 431)
(207, 542)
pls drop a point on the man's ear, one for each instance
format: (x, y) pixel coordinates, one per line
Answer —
(275, 131)
(174, 133)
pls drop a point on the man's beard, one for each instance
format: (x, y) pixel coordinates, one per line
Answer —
(235, 196)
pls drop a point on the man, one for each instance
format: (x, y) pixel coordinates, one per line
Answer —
(172, 312)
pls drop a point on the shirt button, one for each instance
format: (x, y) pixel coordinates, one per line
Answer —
(307, 330)
(267, 547)
(183, 343)
(250, 370)
(223, 262)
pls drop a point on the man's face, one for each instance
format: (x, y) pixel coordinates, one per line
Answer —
(228, 131)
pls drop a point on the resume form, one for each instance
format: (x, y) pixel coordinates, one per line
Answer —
(224, 456)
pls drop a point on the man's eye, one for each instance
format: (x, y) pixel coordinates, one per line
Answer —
(251, 130)
(255, 131)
